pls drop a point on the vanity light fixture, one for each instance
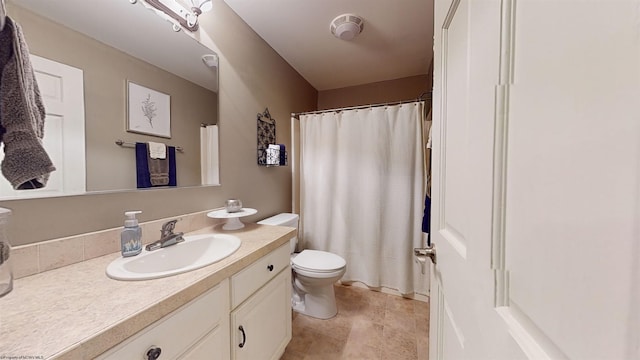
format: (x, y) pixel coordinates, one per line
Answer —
(180, 16)
(200, 6)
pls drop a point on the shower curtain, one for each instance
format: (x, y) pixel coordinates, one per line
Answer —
(362, 191)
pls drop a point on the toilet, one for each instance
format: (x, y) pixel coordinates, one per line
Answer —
(314, 273)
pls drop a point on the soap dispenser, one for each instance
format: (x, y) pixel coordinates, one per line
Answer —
(131, 236)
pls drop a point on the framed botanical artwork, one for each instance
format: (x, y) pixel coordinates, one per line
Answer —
(148, 111)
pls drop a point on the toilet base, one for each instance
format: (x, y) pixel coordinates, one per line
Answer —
(320, 304)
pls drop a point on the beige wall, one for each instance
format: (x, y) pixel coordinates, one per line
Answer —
(408, 88)
(252, 77)
(106, 71)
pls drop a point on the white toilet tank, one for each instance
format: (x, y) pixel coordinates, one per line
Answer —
(284, 219)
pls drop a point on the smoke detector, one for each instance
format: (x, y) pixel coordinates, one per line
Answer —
(346, 26)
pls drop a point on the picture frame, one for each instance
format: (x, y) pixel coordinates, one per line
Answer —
(148, 111)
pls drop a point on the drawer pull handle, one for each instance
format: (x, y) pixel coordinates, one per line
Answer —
(270, 267)
(153, 353)
(244, 337)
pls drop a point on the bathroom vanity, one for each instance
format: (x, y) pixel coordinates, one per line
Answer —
(260, 319)
(238, 308)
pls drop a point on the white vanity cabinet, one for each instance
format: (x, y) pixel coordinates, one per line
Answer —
(197, 330)
(261, 308)
(247, 316)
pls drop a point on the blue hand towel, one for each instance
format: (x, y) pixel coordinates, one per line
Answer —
(426, 219)
(173, 176)
(283, 155)
(143, 176)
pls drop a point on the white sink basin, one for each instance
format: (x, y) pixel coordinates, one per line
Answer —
(195, 252)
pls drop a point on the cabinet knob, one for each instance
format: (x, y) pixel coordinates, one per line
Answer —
(270, 267)
(153, 353)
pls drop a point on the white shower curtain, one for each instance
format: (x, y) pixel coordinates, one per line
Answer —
(209, 157)
(362, 191)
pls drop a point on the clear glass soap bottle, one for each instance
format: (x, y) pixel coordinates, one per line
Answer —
(6, 273)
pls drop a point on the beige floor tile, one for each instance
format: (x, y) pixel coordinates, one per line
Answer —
(306, 321)
(326, 347)
(422, 327)
(366, 333)
(370, 325)
(399, 320)
(292, 355)
(398, 343)
(421, 308)
(371, 313)
(349, 308)
(337, 327)
(376, 298)
(301, 340)
(361, 352)
(400, 304)
(423, 348)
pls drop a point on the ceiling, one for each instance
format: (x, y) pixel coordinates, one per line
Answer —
(396, 42)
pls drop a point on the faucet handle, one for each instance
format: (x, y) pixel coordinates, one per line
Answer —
(167, 228)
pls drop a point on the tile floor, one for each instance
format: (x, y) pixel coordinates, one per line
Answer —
(370, 325)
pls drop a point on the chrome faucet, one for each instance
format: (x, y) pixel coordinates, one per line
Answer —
(167, 237)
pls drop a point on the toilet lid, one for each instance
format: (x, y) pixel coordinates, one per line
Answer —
(318, 261)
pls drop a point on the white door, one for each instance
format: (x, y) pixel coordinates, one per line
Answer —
(62, 90)
(536, 185)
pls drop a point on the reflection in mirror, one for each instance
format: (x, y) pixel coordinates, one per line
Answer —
(107, 44)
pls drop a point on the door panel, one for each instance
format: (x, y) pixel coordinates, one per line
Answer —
(536, 186)
(62, 90)
(467, 75)
(572, 174)
(455, 129)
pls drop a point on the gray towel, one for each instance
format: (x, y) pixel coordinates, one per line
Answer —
(158, 170)
(26, 164)
(4, 252)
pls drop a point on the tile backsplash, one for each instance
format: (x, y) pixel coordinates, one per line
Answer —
(48, 255)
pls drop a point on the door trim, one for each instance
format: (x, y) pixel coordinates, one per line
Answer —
(500, 152)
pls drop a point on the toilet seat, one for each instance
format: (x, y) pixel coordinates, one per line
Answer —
(319, 275)
(320, 262)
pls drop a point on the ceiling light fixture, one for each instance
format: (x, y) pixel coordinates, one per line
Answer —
(346, 26)
(180, 16)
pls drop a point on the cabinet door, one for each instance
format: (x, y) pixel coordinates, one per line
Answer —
(180, 330)
(213, 346)
(265, 319)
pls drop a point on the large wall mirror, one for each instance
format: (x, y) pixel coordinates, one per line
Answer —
(113, 43)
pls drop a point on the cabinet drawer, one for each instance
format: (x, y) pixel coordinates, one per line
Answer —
(250, 279)
(179, 330)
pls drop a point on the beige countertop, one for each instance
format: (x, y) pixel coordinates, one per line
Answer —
(77, 312)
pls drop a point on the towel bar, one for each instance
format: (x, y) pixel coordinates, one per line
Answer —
(132, 145)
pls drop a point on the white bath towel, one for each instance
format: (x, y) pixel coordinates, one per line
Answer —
(273, 154)
(157, 150)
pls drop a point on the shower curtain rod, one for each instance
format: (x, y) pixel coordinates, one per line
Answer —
(421, 98)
